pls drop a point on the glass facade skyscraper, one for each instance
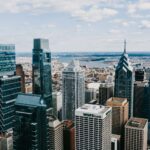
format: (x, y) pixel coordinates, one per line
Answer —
(9, 89)
(124, 80)
(31, 124)
(9, 86)
(73, 89)
(42, 82)
(7, 59)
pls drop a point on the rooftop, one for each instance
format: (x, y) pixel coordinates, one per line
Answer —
(117, 101)
(106, 85)
(136, 123)
(116, 136)
(96, 110)
(29, 99)
(93, 86)
(73, 66)
(53, 122)
(4, 47)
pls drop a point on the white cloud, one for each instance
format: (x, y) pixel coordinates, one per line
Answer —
(145, 24)
(87, 10)
(115, 31)
(141, 5)
(124, 23)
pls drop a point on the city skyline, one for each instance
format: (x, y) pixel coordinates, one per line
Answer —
(99, 25)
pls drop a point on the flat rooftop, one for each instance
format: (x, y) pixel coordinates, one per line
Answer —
(93, 85)
(136, 123)
(94, 110)
(116, 101)
(53, 121)
(29, 100)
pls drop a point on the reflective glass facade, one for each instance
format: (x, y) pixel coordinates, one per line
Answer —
(31, 124)
(42, 83)
(7, 59)
(9, 89)
(73, 79)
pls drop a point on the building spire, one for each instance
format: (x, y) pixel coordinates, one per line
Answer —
(125, 46)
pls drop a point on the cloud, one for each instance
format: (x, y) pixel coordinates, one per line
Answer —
(86, 10)
(145, 24)
(141, 5)
(115, 31)
(124, 23)
(94, 14)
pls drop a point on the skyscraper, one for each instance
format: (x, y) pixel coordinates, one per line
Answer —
(136, 130)
(9, 87)
(73, 89)
(119, 113)
(31, 124)
(124, 80)
(42, 81)
(93, 127)
(7, 59)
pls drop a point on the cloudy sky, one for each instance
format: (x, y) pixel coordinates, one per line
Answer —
(76, 25)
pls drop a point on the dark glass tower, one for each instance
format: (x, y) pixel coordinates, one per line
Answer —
(31, 124)
(124, 80)
(42, 83)
(7, 59)
(9, 87)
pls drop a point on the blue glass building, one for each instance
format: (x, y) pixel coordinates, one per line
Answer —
(124, 80)
(31, 123)
(42, 82)
(9, 86)
(7, 59)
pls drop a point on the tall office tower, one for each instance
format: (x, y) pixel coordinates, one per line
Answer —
(139, 93)
(20, 72)
(124, 80)
(69, 135)
(73, 89)
(7, 59)
(56, 133)
(136, 134)
(42, 80)
(106, 90)
(9, 87)
(119, 114)
(31, 124)
(139, 75)
(93, 127)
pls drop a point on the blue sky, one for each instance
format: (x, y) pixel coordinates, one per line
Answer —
(76, 25)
